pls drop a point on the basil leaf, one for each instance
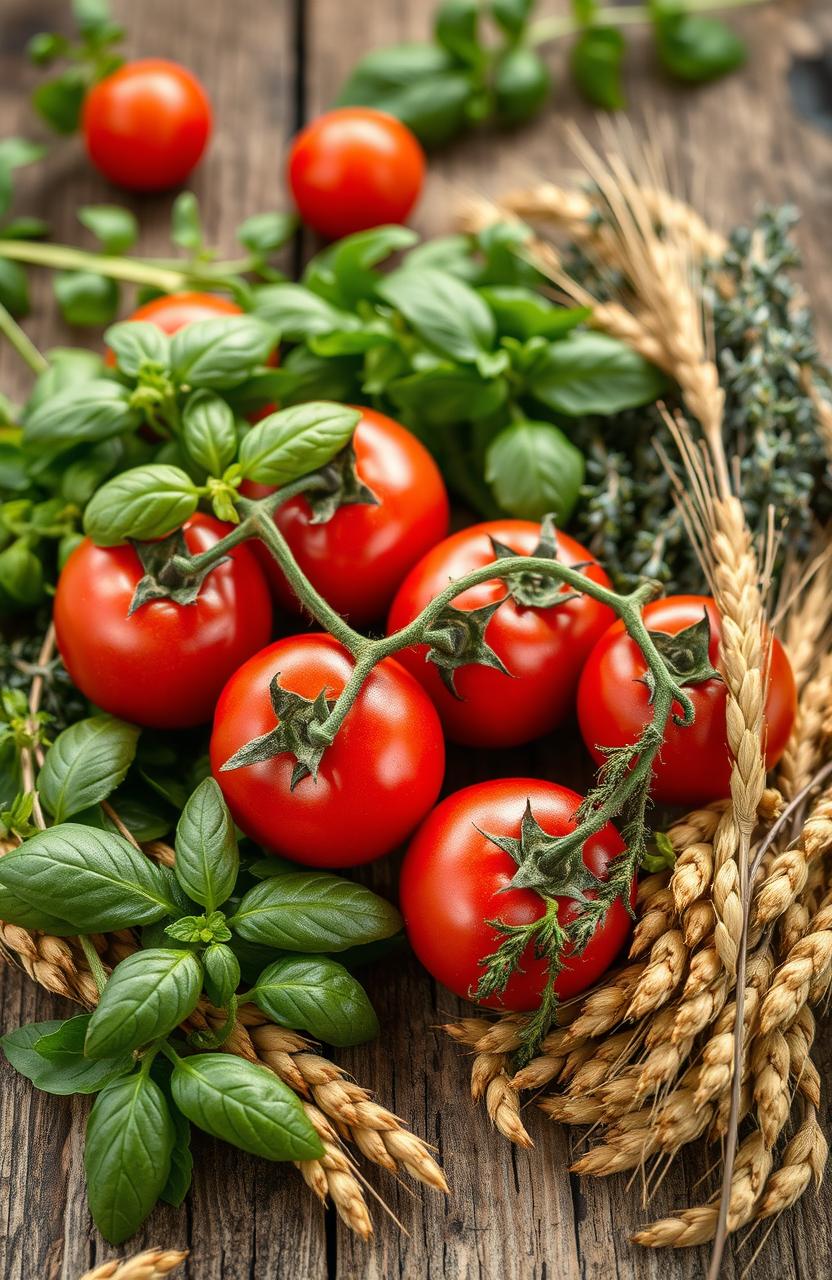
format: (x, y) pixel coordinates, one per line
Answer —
(351, 260)
(293, 442)
(447, 395)
(305, 376)
(309, 911)
(220, 353)
(318, 995)
(59, 1073)
(263, 233)
(421, 84)
(207, 861)
(534, 470)
(445, 312)
(222, 973)
(455, 28)
(593, 373)
(522, 84)
(85, 764)
(68, 367)
(14, 287)
(185, 223)
(21, 577)
(78, 413)
(244, 1104)
(137, 342)
(297, 313)
(522, 314)
(117, 228)
(18, 910)
(96, 880)
(209, 432)
(511, 15)
(59, 100)
(181, 1160)
(147, 996)
(597, 57)
(130, 1137)
(142, 818)
(86, 298)
(143, 503)
(696, 48)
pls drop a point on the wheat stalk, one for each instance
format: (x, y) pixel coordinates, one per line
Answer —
(152, 1264)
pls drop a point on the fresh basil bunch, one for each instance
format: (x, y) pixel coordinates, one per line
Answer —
(204, 923)
(467, 75)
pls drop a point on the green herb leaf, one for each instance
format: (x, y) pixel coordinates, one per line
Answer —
(207, 860)
(59, 1070)
(209, 431)
(263, 233)
(244, 1104)
(511, 15)
(186, 224)
(81, 411)
(136, 343)
(59, 100)
(293, 442)
(130, 1137)
(445, 312)
(200, 929)
(143, 503)
(220, 353)
(696, 48)
(92, 879)
(597, 58)
(117, 228)
(421, 84)
(534, 469)
(521, 313)
(522, 84)
(85, 764)
(350, 261)
(181, 1161)
(14, 287)
(593, 373)
(318, 995)
(296, 312)
(86, 298)
(68, 367)
(307, 911)
(447, 395)
(455, 28)
(147, 996)
(222, 973)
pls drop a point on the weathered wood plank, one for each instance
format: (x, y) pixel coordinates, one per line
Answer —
(244, 1210)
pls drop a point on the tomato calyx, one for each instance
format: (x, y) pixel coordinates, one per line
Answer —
(299, 732)
(544, 863)
(456, 638)
(337, 485)
(533, 590)
(164, 577)
(686, 655)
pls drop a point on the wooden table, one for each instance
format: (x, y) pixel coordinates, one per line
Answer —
(513, 1215)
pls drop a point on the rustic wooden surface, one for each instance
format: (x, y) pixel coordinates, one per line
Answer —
(268, 65)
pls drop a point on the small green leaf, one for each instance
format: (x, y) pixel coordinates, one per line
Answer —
(147, 996)
(136, 343)
(200, 929)
(264, 233)
(207, 861)
(296, 441)
(350, 261)
(60, 1070)
(511, 15)
(597, 58)
(14, 287)
(317, 995)
(80, 412)
(186, 224)
(115, 227)
(445, 312)
(522, 84)
(59, 100)
(220, 353)
(85, 298)
(297, 313)
(534, 469)
(593, 373)
(246, 1105)
(68, 367)
(308, 911)
(421, 84)
(696, 48)
(85, 764)
(130, 1137)
(222, 973)
(209, 431)
(181, 1161)
(91, 879)
(143, 503)
(455, 28)
(521, 313)
(447, 395)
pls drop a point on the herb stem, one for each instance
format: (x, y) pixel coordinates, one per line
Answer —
(65, 258)
(97, 969)
(21, 342)
(556, 28)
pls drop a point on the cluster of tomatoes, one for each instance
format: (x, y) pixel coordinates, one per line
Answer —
(173, 665)
(147, 125)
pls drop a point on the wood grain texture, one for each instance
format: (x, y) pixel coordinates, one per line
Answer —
(512, 1215)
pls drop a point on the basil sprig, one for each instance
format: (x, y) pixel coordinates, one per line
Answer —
(76, 877)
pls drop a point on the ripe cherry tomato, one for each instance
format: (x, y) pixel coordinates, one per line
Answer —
(694, 766)
(354, 168)
(542, 648)
(453, 877)
(165, 665)
(358, 557)
(146, 125)
(375, 782)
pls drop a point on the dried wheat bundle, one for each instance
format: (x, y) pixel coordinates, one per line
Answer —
(708, 1032)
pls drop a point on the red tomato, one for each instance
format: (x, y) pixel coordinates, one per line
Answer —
(695, 766)
(355, 168)
(165, 665)
(453, 877)
(358, 558)
(543, 649)
(375, 782)
(146, 125)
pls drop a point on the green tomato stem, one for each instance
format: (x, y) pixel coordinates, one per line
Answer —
(97, 969)
(21, 342)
